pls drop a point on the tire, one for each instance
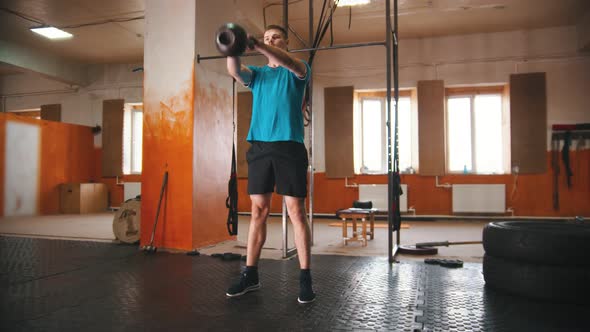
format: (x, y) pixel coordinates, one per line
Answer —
(548, 243)
(541, 282)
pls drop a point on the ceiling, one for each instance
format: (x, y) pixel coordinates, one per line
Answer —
(105, 43)
(123, 42)
(429, 18)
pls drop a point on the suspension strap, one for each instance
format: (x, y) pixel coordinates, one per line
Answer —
(231, 202)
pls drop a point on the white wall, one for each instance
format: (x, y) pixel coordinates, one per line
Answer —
(21, 176)
(466, 60)
(79, 105)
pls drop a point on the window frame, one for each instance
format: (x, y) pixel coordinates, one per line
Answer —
(132, 148)
(381, 95)
(383, 137)
(130, 109)
(471, 93)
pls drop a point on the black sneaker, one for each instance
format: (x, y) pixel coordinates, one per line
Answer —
(306, 294)
(248, 283)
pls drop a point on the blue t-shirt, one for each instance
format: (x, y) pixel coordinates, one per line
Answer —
(277, 98)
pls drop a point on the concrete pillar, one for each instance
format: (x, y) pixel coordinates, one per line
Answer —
(187, 132)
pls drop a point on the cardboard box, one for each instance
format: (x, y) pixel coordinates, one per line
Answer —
(80, 198)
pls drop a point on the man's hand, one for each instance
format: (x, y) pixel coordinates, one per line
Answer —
(238, 71)
(252, 42)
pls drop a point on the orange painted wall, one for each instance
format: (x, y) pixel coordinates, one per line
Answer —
(168, 146)
(66, 155)
(533, 195)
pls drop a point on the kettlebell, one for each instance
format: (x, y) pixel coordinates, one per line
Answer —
(231, 39)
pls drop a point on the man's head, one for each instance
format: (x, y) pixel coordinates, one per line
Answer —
(276, 36)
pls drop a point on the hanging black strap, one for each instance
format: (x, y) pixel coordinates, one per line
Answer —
(565, 155)
(397, 192)
(555, 166)
(231, 202)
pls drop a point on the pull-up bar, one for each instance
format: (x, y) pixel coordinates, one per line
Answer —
(333, 47)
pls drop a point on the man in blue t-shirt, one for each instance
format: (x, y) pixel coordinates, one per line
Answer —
(277, 155)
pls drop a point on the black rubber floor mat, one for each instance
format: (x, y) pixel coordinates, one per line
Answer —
(53, 285)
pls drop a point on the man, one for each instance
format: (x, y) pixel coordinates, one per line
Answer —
(277, 156)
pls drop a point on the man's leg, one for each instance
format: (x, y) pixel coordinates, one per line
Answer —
(257, 231)
(296, 209)
(256, 236)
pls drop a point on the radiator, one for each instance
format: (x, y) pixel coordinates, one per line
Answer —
(479, 198)
(131, 190)
(377, 193)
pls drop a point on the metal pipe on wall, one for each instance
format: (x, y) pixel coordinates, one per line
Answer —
(40, 93)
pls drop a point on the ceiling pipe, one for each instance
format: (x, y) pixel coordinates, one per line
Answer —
(38, 93)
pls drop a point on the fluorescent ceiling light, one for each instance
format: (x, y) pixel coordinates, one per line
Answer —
(343, 3)
(51, 32)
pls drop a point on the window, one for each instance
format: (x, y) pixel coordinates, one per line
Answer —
(371, 132)
(372, 123)
(475, 131)
(404, 133)
(132, 138)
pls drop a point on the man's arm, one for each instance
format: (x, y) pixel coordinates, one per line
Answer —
(282, 57)
(238, 71)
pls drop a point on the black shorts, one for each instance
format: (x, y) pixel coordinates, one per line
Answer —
(283, 164)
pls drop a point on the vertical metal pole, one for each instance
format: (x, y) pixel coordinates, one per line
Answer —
(312, 128)
(396, 144)
(284, 205)
(389, 161)
(285, 16)
(310, 22)
(285, 228)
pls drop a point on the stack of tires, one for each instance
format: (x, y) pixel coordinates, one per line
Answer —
(540, 260)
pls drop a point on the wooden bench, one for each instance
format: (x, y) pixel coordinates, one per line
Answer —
(355, 215)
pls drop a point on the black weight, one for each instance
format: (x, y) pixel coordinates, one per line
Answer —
(362, 204)
(413, 250)
(231, 39)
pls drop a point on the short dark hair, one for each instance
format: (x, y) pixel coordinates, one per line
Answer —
(280, 28)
